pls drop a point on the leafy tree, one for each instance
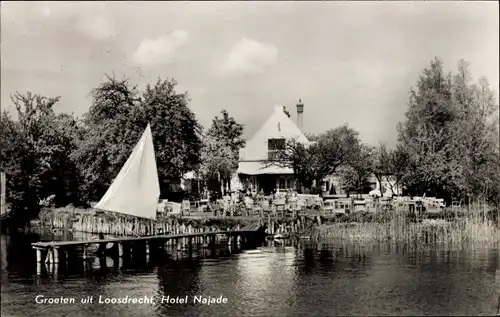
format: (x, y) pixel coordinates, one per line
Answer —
(35, 155)
(434, 165)
(311, 137)
(389, 165)
(228, 131)
(476, 133)
(348, 179)
(313, 161)
(381, 164)
(338, 147)
(108, 136)
(398, 167)
(226, 134)
(355, 174)
(217, 164)
(60, 175)
(176, 131)
(450, 136)
(117, 118)
(304, 159)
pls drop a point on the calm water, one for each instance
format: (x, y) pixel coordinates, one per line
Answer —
(272, 280)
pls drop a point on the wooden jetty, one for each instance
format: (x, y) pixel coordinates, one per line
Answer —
(4, 212)
(135, 192)
(497, 285)
(58, 251)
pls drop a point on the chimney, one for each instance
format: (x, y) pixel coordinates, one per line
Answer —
(300, 111)
(279, 108)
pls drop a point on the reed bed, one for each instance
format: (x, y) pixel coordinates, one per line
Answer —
(471, 227)
(458, 256)
(89, 220)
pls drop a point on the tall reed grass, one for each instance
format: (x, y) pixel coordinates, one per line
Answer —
(89, 220)
(466, 227)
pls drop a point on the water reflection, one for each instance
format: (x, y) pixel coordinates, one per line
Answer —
(274, 279)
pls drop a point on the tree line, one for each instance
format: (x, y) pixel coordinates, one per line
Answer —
(61, 159)
(448, 145)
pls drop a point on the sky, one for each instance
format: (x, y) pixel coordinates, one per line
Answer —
(349, 62)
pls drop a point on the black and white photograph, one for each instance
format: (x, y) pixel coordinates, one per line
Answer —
(249, 158)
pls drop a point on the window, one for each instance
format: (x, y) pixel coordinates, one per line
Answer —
(283, 183)
(273, 146)
(286, 183)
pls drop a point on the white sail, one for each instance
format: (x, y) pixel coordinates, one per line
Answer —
(136, 190)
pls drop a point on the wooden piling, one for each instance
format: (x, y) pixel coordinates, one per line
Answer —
(3, 206)
(497, 284)
(120, 249)
(56, 254)
(48, 256)
(38, 255)
(190, 245)
(84, 255)
(140, 246)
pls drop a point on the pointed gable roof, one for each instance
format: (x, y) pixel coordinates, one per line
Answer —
(277, 126)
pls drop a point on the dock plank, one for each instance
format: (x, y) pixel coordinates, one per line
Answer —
(51, 244)
(252, 227)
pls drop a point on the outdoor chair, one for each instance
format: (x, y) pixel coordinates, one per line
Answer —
(440, 203)
(343, 206)
(249, 204)
(220, 207)
(257, 207)
(266, 207)
(456, 204)
(319, 204)
(370, 204)
(185, 207)
(359, 205)
(419, 207)
(398, 202)
(329, 206)
(202, 205)
(432, 204)
(213, 208)
(228, 207)
(174, 208)
(385, 203)
(279, 205)
(301, 204)
(294, 206)
(162, 207)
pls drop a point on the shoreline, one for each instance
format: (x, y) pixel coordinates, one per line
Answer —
(458, 232)
(90, 221)
(396, 226)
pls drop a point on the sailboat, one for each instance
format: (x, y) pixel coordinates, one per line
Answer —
(136, 189)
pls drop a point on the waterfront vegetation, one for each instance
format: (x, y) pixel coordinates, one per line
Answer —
(93, 221)
(466, 226)
(474, 225)
(448, 147)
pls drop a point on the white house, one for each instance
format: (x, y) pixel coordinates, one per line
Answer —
(255, 174)
(271, 137)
